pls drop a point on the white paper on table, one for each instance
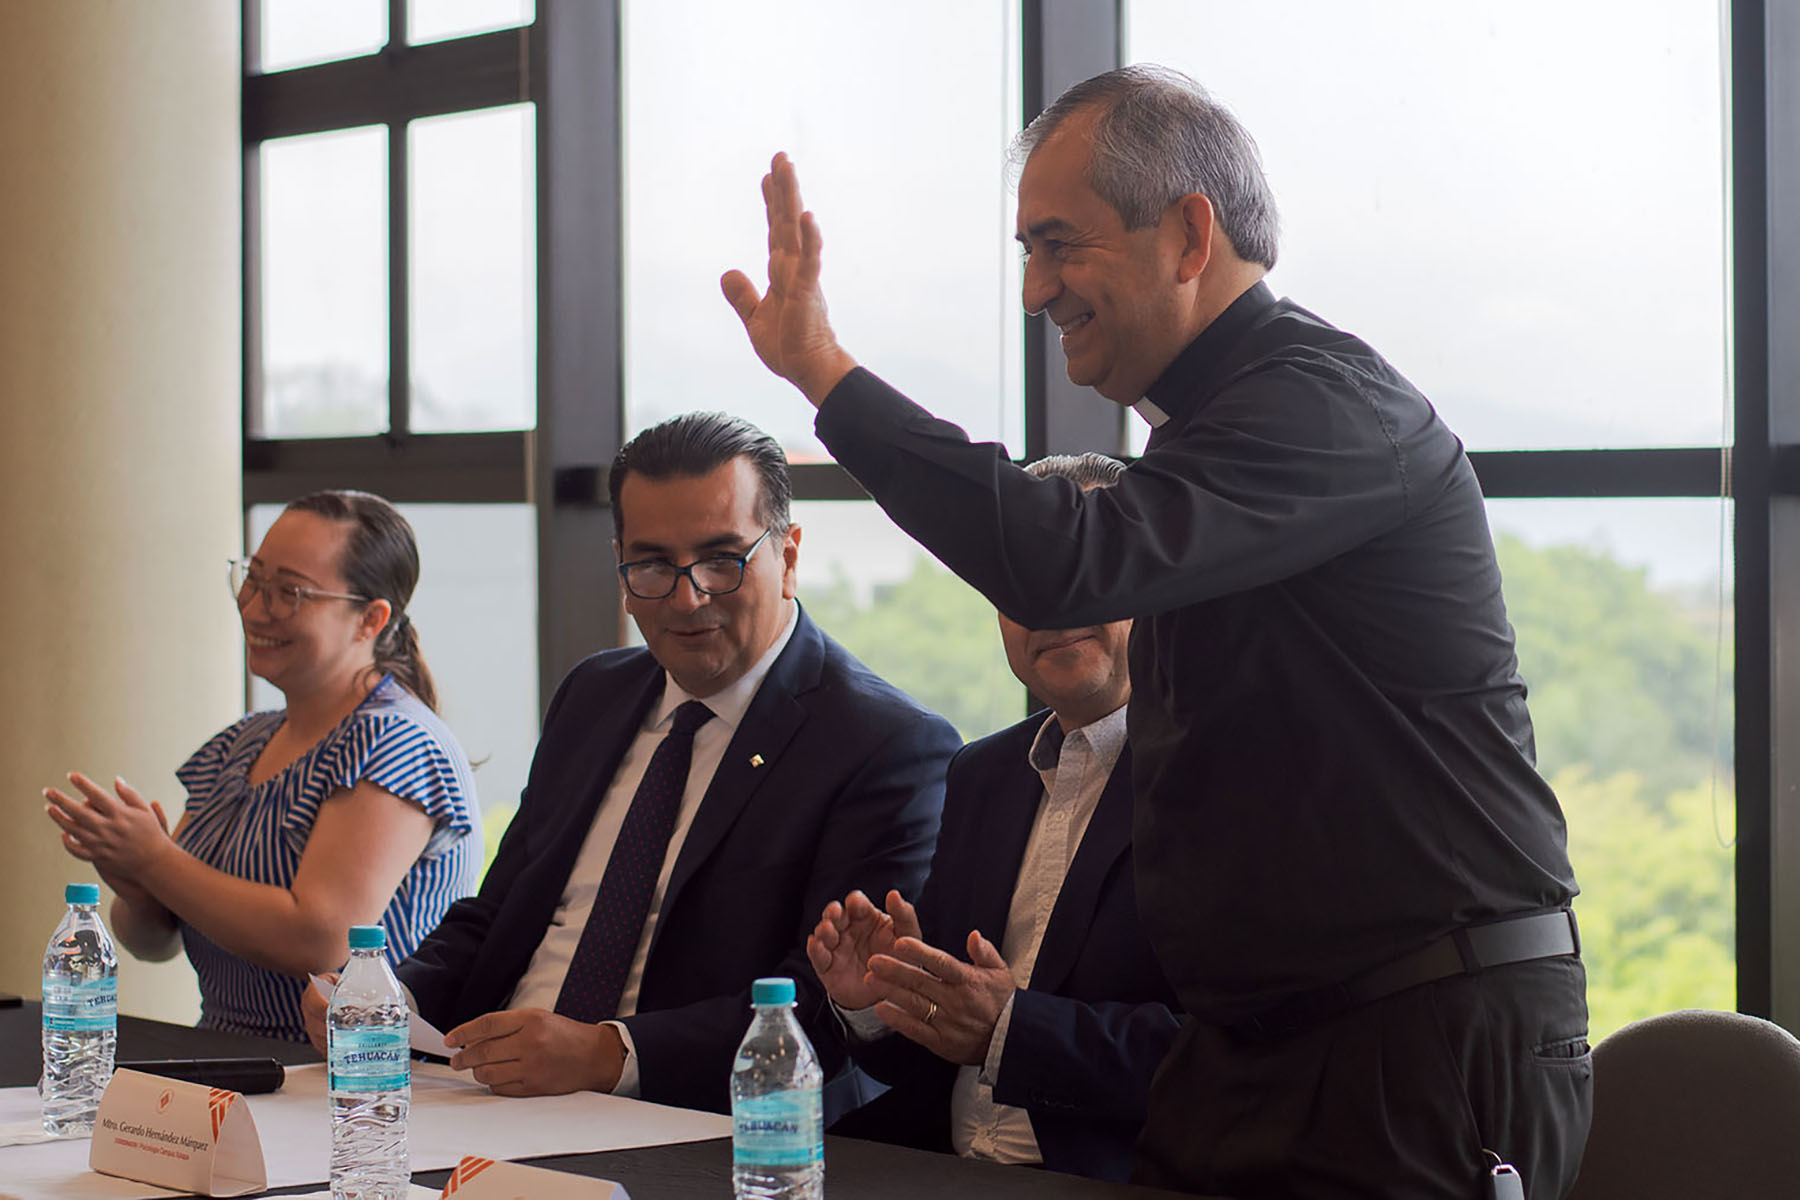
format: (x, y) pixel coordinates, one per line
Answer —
(452, 1116)
(424, 1036)
(28, 1132)
(413, 1192)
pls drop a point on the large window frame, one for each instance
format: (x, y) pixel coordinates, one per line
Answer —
(567, 64)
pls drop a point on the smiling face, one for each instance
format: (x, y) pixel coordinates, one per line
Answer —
(324, 644)
(707, 642)
(1117, 295)
(1080, 673)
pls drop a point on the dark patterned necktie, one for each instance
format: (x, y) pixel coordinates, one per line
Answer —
(609, 940)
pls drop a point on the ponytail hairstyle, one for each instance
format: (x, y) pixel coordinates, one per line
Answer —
(381, 561)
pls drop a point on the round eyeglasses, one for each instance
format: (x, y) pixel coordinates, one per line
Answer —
(282, 600)
(715, 575)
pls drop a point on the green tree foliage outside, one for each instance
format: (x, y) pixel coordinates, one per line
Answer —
(1656, 904)
(931, 635)
(1630, 691)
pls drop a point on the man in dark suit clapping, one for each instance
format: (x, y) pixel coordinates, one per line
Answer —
(1029, 1011)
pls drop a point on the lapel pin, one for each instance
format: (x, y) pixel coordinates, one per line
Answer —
(756, 760)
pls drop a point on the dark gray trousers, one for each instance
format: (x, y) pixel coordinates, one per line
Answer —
(1397, 1099)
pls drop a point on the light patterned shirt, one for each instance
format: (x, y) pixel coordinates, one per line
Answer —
(259, 832)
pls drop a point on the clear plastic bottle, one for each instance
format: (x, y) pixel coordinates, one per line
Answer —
(777, 1113)
(81, 1015)
(366, 1030)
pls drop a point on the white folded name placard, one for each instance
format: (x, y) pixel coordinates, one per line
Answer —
(485, 1179)
(179, 1135)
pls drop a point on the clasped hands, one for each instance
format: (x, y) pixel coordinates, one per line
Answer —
(869, 958)
(120, 833)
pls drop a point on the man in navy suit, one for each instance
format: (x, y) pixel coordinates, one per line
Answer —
(809, 776)
(1039, 1042)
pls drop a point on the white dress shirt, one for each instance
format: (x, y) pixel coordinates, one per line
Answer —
(1075, 768)
(543, 978)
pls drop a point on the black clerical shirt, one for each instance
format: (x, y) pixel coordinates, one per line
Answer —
(1333, 758)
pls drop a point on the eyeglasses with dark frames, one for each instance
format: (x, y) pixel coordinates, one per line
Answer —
(282, 600)
(714, 575)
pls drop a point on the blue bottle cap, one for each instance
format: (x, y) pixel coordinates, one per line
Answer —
(81, 893)
(778, 990)
(367, 937)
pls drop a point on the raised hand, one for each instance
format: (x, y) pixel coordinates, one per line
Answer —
(788, 326)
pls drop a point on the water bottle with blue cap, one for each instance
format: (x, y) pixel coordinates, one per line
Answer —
(81, 1015)
(369, 1057)
(777, 1112)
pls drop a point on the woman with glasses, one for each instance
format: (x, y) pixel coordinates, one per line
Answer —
(353, 804)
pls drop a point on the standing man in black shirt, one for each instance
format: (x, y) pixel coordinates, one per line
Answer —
(1347, 863)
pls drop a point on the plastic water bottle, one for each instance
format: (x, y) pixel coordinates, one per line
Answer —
(366, 1032)
(81, 1015)
(777, 1112)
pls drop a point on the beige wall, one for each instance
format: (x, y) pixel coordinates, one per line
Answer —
(119, 424)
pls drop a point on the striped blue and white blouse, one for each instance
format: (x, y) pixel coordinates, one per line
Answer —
(258, 832)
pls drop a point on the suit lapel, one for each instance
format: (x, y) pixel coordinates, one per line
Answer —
(769, 724)
(611, 740)
(1108, 837)
(610, 736)
(553, 848)
(1005, 825)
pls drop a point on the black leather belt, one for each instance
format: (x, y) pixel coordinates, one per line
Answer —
(1465, 951)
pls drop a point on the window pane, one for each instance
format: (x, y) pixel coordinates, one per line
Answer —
(872, 588)
(435, 20)
(1625, 643)
(324, 284)
(476, 614)
(297, 33)
(1519, 203)
(474, 270)
(900, 152)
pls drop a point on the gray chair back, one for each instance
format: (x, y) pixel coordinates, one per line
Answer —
(1692, 1105)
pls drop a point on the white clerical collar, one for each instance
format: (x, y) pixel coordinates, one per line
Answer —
(1147, 409)
(731, 703)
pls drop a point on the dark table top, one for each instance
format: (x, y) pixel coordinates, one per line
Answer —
(854, 1169)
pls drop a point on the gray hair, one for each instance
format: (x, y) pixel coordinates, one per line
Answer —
(1090, 470)
(1158, 136)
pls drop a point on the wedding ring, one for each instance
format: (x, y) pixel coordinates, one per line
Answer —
(930, 1012)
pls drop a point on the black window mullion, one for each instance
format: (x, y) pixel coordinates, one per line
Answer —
(399, 82)
(1600, 474)
(575, 78)
(399, 285)
(1751, 460)
(436, 468)
(1063, 42)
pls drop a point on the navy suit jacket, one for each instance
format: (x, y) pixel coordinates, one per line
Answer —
(847, 795)
(1089, 1032)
